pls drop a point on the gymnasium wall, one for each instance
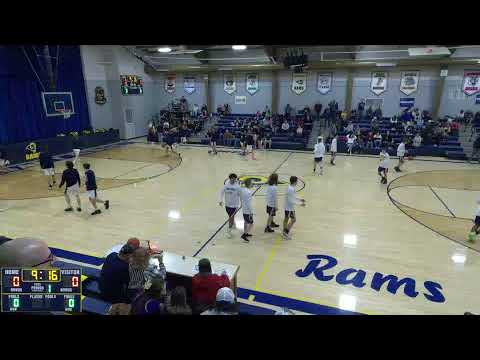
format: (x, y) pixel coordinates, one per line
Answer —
(424, 96)
(103, 66)
(453, 98)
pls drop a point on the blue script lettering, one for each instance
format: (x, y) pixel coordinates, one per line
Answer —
(312, 266)
(436, 295)
(393, 284)
(357, 280)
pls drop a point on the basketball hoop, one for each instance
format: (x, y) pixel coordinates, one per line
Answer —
(66, 114)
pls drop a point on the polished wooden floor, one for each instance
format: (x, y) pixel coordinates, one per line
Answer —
(414, 229)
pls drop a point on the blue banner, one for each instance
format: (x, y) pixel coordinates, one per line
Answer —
(477, 100)
(407, 102)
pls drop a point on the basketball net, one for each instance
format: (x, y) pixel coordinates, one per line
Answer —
(66, 114)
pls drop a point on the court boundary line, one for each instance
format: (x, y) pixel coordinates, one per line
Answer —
(226, 221)
(338, 154)
(439, 198)
(396, 202)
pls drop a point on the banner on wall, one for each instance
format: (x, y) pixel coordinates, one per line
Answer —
(252, 83)
(471, 82)
(240, 100)
(170, 83)
(324, 82)
(409, 82)
(378, 84)
(407, 102)
(299, 83)
(229, 84)
(189, 84)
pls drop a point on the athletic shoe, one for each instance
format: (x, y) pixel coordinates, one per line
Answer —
(248, 235)
(244, 237)
(69, 209)
(107, 204)
(96, 212)
(268, 230)
(79, 209)
(397, 169)
(286, 236)
(273, 225)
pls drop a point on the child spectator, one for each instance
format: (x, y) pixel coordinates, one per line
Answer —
(178, 302)
(224, 303)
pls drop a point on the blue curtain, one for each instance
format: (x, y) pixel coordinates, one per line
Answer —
(22, 116)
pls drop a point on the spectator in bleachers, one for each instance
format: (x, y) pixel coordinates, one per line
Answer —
(417, 140)
(387, 140)
(299, 131)
(350, 142)
(288, 110)
(375, 124)
(461, 116)
(285, 126)
(152, 135)
(268, 140)
(369, 112)
(349, 127)
(361, 109)
(224, 303)
(178, 302)
(394, 119)
(454, 128)
(152, 300)
(377, 140)
(476, 149)
(378, 113)
(137, 266)
(370, 139)
(115, 276)
(318, 110)
(227, 138)
(205, 285)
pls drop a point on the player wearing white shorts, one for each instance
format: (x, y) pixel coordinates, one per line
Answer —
(48, 167)
(231, 191)
(333, 150)
(401, 155)
(71, 178)
(91, 187)
(290, 201)
(476, 224)
(272, 202)
(319, 154)
(246, 197)
(383, 166)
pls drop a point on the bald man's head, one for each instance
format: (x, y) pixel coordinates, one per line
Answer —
(24, 252)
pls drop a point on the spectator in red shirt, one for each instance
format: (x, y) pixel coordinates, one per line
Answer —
(205, 286)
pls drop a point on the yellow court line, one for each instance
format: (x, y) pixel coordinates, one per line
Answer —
(268, 262)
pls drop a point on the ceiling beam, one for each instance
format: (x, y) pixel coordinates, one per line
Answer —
(271, 52)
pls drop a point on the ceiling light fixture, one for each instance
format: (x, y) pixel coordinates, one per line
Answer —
(386, 64)
(164, 49)
(239, 47)
(195, 67)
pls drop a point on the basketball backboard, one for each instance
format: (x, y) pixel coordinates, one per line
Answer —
(58, 103)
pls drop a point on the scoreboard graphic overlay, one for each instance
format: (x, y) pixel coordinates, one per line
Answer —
(30, 290)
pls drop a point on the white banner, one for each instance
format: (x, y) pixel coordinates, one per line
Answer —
(471, 82)
(378, 84)
(299, 83)
(324, 82)
(170, 83)
(189, 84)
(229, 84)
(252, 83)
(240, 100)
(409, 82)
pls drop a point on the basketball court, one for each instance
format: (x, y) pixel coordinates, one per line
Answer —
(353, 233)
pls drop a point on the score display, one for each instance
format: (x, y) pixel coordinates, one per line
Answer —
(131, 85)
(29, 290)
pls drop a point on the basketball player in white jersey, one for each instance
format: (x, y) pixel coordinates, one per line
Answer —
(290, 201)
(401, 155)
(231, 193)
(383, 166)
(246, 196)
(272, 202)
(333, 150)
(318, 153)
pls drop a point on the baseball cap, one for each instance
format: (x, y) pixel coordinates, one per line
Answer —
(225, 294)
(134, 242)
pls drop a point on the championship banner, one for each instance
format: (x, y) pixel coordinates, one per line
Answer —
(324, 83)
(252, 83)
(409, 82)
(378, 84)
(407, 102)
(170, 83)
(471, 82)
(189, 84)
(229, 84)
(299, 83)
